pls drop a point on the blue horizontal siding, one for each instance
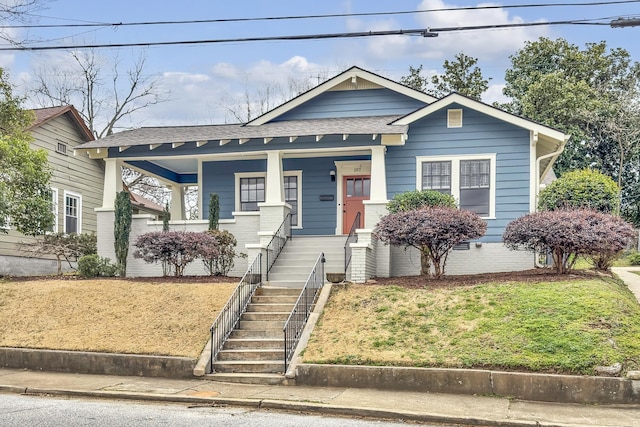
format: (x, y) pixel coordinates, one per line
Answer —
(354, 103)
(480, 134)
(318, 217)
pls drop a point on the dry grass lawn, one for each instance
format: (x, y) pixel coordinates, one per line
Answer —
(115, 316)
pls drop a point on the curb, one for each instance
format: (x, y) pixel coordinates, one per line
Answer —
(280, 405)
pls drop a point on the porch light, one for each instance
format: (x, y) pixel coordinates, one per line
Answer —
(332, 174)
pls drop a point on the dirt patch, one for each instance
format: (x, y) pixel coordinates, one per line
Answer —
(527, 276)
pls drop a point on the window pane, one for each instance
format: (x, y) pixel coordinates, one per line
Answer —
(291, 196)
(350, 187)
(436, 176)
(251, 193)
(71, 214)
(367, 187)
(475, 179)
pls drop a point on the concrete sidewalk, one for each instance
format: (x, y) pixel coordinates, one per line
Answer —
(426, 407)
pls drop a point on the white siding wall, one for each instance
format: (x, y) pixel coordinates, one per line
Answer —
(490, 258)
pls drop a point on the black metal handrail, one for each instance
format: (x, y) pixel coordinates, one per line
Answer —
(351, 238)
(229, 317)
(277, 242)
(302, 309)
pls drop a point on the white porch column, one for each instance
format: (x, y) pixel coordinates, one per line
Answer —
(378, 175)
(112, 182)
(177, 202)
(275, 185)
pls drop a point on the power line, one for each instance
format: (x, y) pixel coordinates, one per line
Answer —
(424, 32)
(334, 15)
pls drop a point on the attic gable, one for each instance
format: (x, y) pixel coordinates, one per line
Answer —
(353, 79)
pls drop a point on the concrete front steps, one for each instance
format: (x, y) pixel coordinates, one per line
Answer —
(294, 264)
(254, 352)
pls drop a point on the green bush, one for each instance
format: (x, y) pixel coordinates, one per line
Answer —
(634, 258)
(96, 266)
(581, 189)
(410, 200)
(219, 259)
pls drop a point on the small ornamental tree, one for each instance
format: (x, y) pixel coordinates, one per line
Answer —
(570, 233)
(166, 217)
(581, 189)
(65, 247)
(214, 211)
(409, 200)
(434, 231)
(122, 230)
(175, 248)
(219, 260)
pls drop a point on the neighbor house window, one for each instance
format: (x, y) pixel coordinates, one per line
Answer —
(469, 179)
(251, 193)
(251, 189)
(72, 213)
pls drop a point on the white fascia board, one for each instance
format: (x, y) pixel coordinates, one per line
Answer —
(335, 81)
(481, 107)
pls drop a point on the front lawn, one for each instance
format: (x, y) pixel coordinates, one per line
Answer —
(567, 326)
(114, 316)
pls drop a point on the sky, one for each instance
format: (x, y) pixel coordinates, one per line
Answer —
(201, 83)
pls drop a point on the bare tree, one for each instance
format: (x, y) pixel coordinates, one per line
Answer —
(102, 100)
(17, 11)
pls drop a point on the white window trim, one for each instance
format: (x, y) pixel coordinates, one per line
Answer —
(56, 209)
(6, 224)
(297, 173)
(455, 175)
(79, 197)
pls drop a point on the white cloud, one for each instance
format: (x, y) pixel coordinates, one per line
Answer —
(494, 94)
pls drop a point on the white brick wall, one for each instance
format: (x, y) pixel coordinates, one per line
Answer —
(490, 258)
(244, 228)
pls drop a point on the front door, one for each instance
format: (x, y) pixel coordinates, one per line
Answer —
(356, 189)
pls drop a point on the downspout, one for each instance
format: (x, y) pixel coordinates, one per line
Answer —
(556, 153)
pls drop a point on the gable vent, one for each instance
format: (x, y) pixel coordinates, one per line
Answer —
(454, 118)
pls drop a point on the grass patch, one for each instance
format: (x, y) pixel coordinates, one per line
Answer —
(114, 316)
(564, 327)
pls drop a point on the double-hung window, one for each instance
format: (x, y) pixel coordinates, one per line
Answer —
(470, 179)
(251, 193)
(72, 213)
(251, 190)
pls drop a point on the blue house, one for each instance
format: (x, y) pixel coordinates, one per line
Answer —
(324, 165)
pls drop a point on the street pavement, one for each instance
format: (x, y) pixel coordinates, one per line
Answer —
(356, 402)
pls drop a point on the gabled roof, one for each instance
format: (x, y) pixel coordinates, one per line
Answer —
(456, 98)
(352, 74)
(44, 115)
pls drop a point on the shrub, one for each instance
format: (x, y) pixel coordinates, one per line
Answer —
(176, 248)
(219, 259)
(581, 189)
(214, 211)
(410, 200)
(434, 231)
(122, 230)
(65, 247)
(634, 258)
(95, 266)
(569, 234)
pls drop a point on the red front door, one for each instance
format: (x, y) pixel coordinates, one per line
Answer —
(356, 189)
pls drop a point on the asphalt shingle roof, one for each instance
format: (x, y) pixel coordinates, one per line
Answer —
(290, 128)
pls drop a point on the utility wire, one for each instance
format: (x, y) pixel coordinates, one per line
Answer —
(424, 32)
(335, 15)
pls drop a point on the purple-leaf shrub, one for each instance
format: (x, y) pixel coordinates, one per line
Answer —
(570, 233)
(176, 248)
(434, 231)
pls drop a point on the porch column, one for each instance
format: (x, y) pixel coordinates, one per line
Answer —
(112, 182)
(378, 175)
(177, 202)
(275, 186)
